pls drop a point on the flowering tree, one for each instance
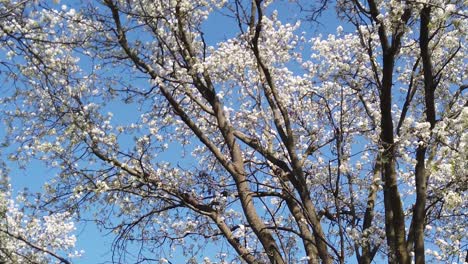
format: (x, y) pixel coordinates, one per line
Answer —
(274, 145)
(29, 239)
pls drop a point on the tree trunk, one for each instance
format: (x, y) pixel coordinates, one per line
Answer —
(419, 217)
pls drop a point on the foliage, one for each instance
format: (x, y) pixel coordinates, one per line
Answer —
(28, 238)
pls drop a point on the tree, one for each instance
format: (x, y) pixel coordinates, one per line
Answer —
(28, 238)
(356, 149)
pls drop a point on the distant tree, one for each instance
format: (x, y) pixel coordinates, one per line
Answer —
(271, 146)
